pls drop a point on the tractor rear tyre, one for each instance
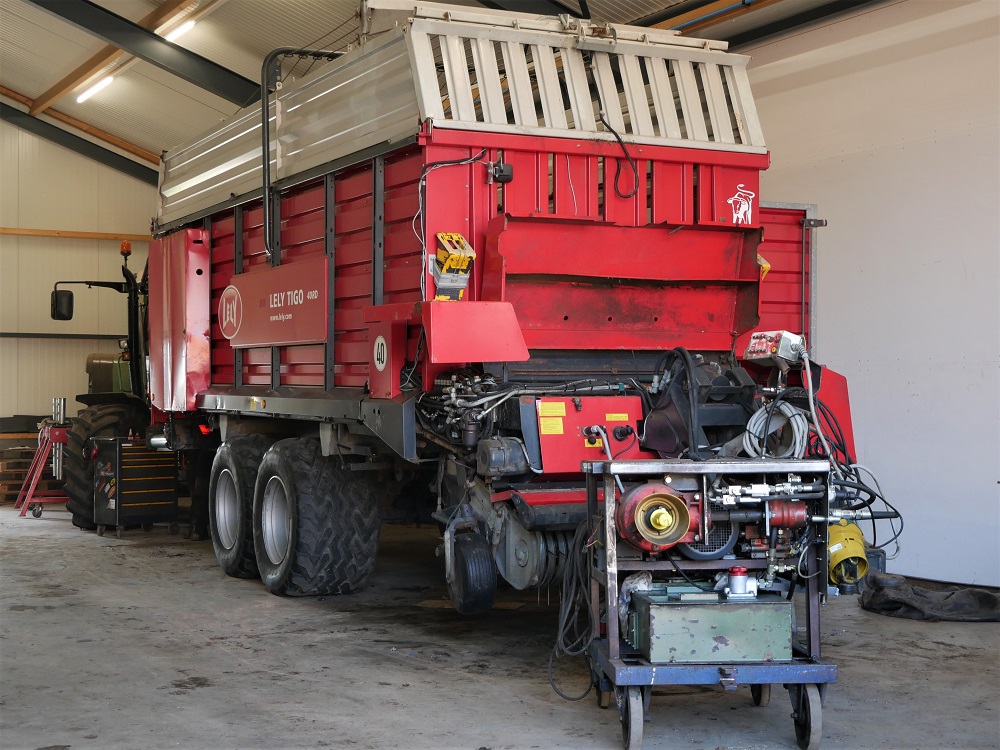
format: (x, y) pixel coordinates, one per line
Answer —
(230, 503)
(316, 523)
(474, 579)
(103, 420)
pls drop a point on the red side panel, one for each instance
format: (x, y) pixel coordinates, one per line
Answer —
(353, 285)
(833, 392)
(447, 325)
(223, 245)
(784, 302)
(590, 285)
(179, 343)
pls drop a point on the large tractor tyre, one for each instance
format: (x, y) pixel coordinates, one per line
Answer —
(230, 503)
(315, 523)
(104, 420)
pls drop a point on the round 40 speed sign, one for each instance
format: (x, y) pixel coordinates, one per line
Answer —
(379, 353)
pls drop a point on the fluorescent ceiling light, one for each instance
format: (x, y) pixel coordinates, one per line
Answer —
(184, 28)
(103, 83)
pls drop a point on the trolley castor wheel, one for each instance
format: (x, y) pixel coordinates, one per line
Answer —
(631, 711)
(174, 529)
(807, 713)
(761, 694)
(101, 529)
(36, 510)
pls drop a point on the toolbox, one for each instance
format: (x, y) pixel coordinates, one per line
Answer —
(133, 485)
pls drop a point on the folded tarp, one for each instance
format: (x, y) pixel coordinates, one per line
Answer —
(891, 595)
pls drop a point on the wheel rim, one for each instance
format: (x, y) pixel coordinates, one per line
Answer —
(227, 509)
(809, 718)
(274, 520)
(633, 715)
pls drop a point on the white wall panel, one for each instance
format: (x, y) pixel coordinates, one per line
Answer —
(890, 122)
(8, 379)
(9, 278)
(9, 157)
(33, 371)
(44, 186)
(42, 261)
(57, 187)
(123, 203)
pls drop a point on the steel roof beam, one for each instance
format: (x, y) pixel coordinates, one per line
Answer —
(800, 19)
(109, 54)
(711, 14)
(75, 143)
(541, 7)
(154, 49)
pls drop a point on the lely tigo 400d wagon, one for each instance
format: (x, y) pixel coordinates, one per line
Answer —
(525, 259)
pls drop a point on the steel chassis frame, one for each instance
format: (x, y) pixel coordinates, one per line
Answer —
(618, 663)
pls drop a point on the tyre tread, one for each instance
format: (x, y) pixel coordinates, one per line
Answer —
(337, 532)
(247, 452)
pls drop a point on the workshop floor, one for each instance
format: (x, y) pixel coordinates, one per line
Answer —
(142, 642)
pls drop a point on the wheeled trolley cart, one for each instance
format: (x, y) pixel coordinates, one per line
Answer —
(718, 607)
(133, 486)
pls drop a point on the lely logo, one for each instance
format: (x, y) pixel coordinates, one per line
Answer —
(230, 312)
(742, 204)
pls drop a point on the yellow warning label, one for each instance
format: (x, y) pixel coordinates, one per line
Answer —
(616, 417)
(597, 443)
(551, 425)
(552, 409)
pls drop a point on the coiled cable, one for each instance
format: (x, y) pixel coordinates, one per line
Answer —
(783, 415)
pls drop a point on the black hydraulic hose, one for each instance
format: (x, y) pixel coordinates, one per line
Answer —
(695, 427)
(265, 127)
(136, 355)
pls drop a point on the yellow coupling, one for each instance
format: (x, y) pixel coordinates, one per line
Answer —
(848, 562)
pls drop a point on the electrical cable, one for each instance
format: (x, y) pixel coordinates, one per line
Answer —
(576, 616)
(572, 192)
(685, 575)
(812, 409)
(627, 448)
(881, 496)
(407, 382)
(618, 162)
(759, 426)
(422, 199)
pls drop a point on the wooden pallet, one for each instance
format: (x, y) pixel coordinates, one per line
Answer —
(14, 465)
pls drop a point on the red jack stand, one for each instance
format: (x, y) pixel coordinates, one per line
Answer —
(50, 435)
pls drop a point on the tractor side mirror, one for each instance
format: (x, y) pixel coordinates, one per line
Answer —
(62, 304)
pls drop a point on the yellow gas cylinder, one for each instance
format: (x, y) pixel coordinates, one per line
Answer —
(848, 562)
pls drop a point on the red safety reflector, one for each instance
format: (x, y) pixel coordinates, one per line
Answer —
(205, 429)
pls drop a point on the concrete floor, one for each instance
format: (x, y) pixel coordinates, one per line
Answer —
(143, 643)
